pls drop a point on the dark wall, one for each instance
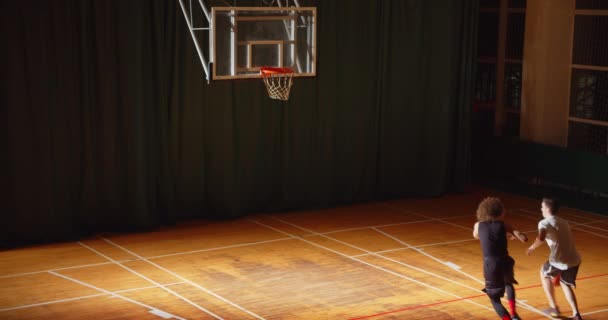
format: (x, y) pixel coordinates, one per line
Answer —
(578, 178)
(110, 125)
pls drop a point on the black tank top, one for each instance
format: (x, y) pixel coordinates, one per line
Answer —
(493, 238)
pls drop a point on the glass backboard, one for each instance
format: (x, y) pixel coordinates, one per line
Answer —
(245, 39)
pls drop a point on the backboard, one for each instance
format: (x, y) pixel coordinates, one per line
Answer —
(245, 39)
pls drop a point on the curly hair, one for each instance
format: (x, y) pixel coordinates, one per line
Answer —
(489, 209)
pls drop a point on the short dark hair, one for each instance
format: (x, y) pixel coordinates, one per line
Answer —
(489, 209)
(552, 204)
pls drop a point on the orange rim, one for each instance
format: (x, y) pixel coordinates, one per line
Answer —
(272, 70)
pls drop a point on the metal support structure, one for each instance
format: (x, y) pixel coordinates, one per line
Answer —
(192, 29)
(207, 58)
(233, 44)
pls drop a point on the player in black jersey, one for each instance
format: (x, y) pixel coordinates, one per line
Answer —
(492, 232)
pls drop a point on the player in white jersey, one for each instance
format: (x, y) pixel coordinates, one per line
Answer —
(564, 259)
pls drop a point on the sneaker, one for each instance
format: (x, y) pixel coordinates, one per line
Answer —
(515, 317)
(553, 312)
(576, 317)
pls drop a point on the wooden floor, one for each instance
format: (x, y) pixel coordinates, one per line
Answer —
(405, 259)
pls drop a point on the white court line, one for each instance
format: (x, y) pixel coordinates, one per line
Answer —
(233, 246)
(470, 229)
(445, 242)
(242, 245)
(161, 314)
(428, 255)
(458, 270)
(380, 226)
(530, 307)
(442, 220)
(47, 271)
(130, 260)
(378, 267)
(418, 247)
(218, 248)
(445, 222)
(82, 297)
(364, 228)
(593, 233)
(535, 217)
(540, 217)
(211, 249)
(109, 292)
(575, 224)
(387, 258)
(426, 245)
(25, 306)
(587, 224)
(379, 252)
(593, 312)
(153, 282)
(186, 280)
(390, 259)
(395, 261)
(587, 212)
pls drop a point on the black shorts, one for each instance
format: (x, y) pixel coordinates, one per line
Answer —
(498, 272)
(567, 276)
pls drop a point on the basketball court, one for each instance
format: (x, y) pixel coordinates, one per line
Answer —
(402, 259)
(410, 258)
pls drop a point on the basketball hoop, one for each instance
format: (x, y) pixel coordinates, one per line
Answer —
(278, 82)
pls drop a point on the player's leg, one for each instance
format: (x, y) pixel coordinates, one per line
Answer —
(498, 307)
(495, 285)
(511, 298)
(571, 298)
(509, 281)
(545, 278)
(568, 282)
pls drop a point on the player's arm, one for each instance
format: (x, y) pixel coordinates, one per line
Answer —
(476, 230)
(516, 233)
(542, 234)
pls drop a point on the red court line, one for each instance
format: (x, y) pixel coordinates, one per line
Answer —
(456, 300)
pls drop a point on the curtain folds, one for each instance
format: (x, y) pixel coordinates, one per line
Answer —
(110, 124)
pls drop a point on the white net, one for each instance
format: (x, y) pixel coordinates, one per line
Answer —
(278, 84)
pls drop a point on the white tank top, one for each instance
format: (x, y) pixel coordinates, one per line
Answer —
(561, 243)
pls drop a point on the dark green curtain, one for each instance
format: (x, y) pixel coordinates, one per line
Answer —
(110, 124)
(86, 105)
